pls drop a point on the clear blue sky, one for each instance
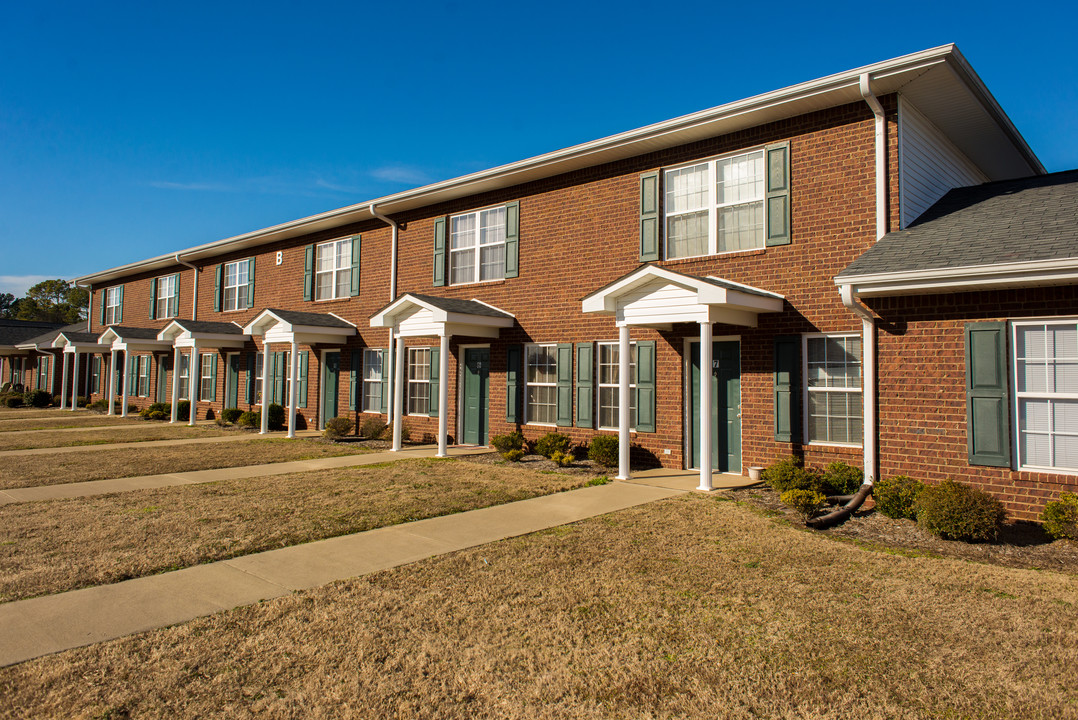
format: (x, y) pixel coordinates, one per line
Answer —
(130, 129)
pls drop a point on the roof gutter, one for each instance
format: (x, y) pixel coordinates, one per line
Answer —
(194, 296)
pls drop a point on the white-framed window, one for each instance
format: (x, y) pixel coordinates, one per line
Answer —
(419, 381)
(477, 246)
(833, 405)
(541, 385)
(183, 373)
(608, 399)
(205, 377)
(143, 384)
(333, 269)
(113, 304)
(715, 206)
(372, 381)
(1046, 394)
(95, 376)
(235, 286)
(166, 295)
(43, 373)
(257, 384)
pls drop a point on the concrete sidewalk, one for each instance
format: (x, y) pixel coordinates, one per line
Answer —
(238, 436)
(195, 477)
(45, 625)
(127, 425)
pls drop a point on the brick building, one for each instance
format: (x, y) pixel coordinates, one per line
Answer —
(583, 290)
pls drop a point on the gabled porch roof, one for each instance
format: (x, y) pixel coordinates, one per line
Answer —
(304, 328)
(413, 315)
(132, 339)
(653, 296)
(188, 333)
(79, 342)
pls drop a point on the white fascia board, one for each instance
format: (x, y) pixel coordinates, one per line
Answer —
(75, 347)
(477, 320)
(264, 319)
(208, 341)
(975, 277)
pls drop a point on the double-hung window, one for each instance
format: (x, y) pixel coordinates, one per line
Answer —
(235, 286)
(372, 380)
(95, 376)
(206, 379)
(333, 269)
(43, 373)
(418, 381)
(165, 302)
(183, 373)
(143, 384)
(609, 392)
(113, 304)
(541, 384)
(477, 246)
(716, 206)
(833, 405)
(1046, 394)
(259, 359)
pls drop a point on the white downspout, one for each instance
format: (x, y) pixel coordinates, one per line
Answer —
(391, 360)
(881, 156)
(194, 299)
(868, 387)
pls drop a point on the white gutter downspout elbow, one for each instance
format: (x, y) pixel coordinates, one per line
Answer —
(868, 387)
(881, 156)
(391, 360)
(194, 300)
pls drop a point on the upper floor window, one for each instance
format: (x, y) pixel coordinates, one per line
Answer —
(114, 300)
(541, 384)
(477, 246)
(166, 302)
(333, 269)
(235, 286)
(833, 405)
(1046, 394)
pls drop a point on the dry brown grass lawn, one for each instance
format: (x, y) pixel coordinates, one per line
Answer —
(688, 608)
(29, 470)
(57, 422)
(139, 432)
(49, 547)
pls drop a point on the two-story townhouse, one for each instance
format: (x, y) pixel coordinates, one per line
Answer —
(584, 290)
(21, 362)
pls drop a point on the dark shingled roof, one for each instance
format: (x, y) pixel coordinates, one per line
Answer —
(133, 333)
(306, 318)
(13, 332)
(47, 337)
(81, 337)
(1010, 221)
(208, 326)
(465, 307)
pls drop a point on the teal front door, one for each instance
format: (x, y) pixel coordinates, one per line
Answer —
(232, 391)
(725, 405)
(164, 367)
(329, 386)
(476, 395)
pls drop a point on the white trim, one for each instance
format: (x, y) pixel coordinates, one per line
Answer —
(805, 337)
(461, 361)
(408, 350)
(527, 405)
(361, 401)
(1015, 399)
(1033, 273)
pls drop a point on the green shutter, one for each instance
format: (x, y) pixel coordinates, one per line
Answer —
(512, 383)
(353, 375)
(564, 408)
(120, 310)
(153, 299)
(649, 216)
(645, 386)
(213, 376)
(250, 283)
(987, 413)
(132, 375)
(103, 295)
(786, 363)
(308, 273)
(277, 379)
(512, 239)
(585, 385)
(435, 377)
(387, 383)
(174, 301)
(777, 198)
(439, 252)
(218, 278)
(353, 288)
(304, 362)
(250, 378)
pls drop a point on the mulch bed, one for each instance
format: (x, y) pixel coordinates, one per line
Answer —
(1023, 544)
(539, 463)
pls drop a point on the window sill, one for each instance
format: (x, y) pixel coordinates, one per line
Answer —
(539, 424)
(499, 281)
(697, 258)
(1047, 470)
(817, 443)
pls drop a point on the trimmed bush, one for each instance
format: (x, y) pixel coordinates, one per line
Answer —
(956, 511)
(895, 497)
(157, 411)
(337, 427)
(788, 474)
(183, 410)
(843, 479)
(13, 401)
(231, 415)
(805, 502)
(276, 416)
(84, 401)
(1060, 517)
(157, 415)
(101, 405)
(249, 419)
(373, 427)
(507, 442)
(551, 443)
(513, 455)
(56, 400)
(562, 459)
(37, 398)
(604, 450)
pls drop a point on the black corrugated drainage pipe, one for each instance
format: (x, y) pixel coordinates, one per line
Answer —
(839, 514)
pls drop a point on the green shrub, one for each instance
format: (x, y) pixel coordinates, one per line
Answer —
(562, 459)
(842, 478)
(373, 428)
(84, 401)
(513, 455)
(166, 408)
(5, 388)
(157, 415)
(788, 474)
(249, 419)
(507, 442)
(805, 502)
(157, 411)
(601, 480)
(13, 401)
(230, 415)
(1060, 517)
(956, 511)
(895, 497)
(37, 398)
(604, 450)
(276, 416)
(56, 400)
(101, 405)
(183, 410)
(337, 427)
(551, 443)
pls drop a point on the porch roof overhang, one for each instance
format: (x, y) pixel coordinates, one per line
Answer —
(413, 315)
(188, 333)
(658, 297)
(132, 339)
(79, 342)
(303, 328)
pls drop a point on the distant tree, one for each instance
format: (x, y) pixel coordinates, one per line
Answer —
(9, 306)
(53, 301)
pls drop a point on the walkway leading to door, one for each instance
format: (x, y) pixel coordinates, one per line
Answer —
(41, 626)
(195, 477)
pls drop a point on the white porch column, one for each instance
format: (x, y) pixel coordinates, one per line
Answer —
(398, 394)
(293, 390)
(176, 355)
(443, 395)
(623, 403)
(705, 406)
(265, 387)
(194, 379)
(127, 376)
(111, 389)
(391, 356)
(63, 384)
(75, 381)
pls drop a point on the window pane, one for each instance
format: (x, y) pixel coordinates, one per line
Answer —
(1036, 449)
(344, 283)
(741, 227)
(686, 235)
(493, 262)
(462, 266)
(325, 257)
(462, 233)
(542, 402)
(739, 179)
(344, 254)
(492, 226)
(324, 286)
(686, 189)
